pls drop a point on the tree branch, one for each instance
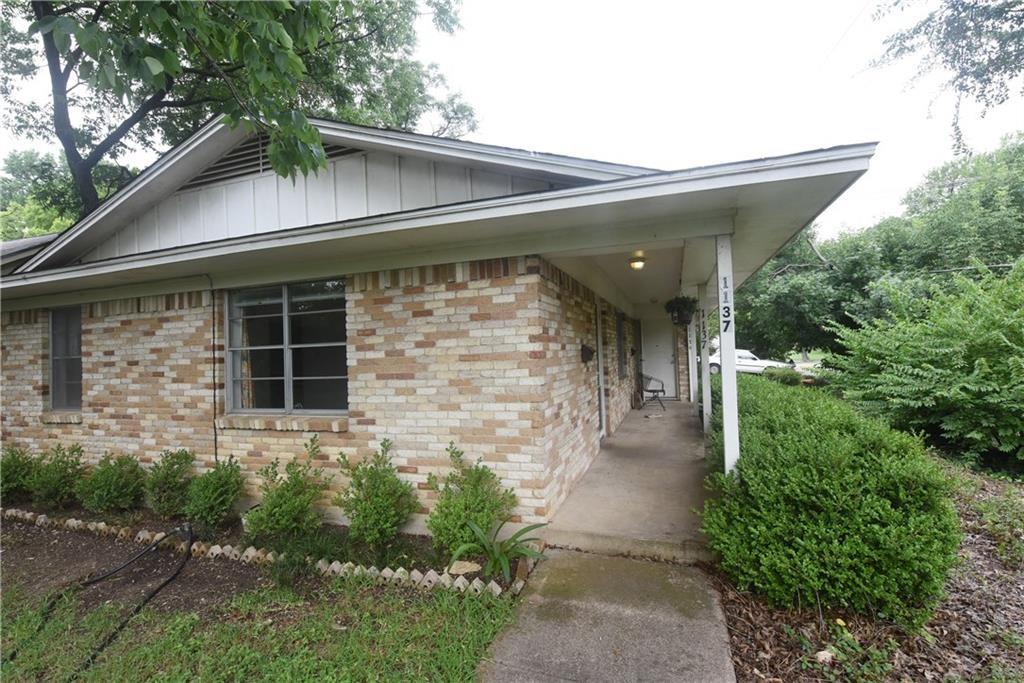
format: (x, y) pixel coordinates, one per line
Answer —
(76, 54)
(118, 133)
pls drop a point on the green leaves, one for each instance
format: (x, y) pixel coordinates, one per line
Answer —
(498, 554)
(830, 508)
(376, 501)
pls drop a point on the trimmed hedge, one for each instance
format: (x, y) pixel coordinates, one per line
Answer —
(831, 508)
(116, 483)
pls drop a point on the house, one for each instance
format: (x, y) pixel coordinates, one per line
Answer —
(423, 289)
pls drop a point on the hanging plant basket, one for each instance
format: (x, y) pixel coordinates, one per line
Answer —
(681, 308)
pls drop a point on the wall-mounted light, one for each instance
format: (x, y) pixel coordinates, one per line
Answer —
(637, 262)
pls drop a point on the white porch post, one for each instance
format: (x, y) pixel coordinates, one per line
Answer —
(691, 356)
(727, 351)
(705, 362)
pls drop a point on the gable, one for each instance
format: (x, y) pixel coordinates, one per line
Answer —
(371, 172)
(240, 194)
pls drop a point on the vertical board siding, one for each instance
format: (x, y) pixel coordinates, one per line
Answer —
(352, 186)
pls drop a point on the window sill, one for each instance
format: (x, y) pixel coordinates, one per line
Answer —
(284, 423)
(60, 417)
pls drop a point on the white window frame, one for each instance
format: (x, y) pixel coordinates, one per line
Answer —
(286, 348)
(54, 358)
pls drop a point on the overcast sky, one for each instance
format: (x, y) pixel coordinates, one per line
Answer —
(675, 84)
(679, 84)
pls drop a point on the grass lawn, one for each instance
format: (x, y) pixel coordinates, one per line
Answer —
(348, 630)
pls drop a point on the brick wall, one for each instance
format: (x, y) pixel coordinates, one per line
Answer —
(485, 353)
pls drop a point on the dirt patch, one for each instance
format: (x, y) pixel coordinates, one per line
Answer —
(41, 561)
(977, 633)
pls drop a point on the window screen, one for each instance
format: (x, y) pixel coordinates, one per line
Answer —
(66, 358)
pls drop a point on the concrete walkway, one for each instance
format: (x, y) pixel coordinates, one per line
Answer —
(638, 496)
(587, 617)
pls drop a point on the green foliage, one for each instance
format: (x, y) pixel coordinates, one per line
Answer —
(57, 472)
(16, 467)
(1003, 519)
(212, 496)
(469, 493)
(287, 512)
(168, 483)
(145, 72)
(499, 554)
(952, 365)
(852, 661)
(975, 43)
(831, 508)
(786, 376)
(375, 501)
(116, 483)
(969, 209)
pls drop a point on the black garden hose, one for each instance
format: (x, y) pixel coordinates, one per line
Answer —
(184, 531)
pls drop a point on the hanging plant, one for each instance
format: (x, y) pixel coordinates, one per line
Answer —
(681, 308)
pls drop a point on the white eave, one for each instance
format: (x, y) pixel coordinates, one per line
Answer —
(763, 203)
(215, 139)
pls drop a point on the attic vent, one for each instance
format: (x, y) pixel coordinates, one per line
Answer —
(249, 157)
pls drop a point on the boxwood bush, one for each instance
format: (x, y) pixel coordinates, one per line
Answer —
(116, 483)
(376, 501)
(469, 493)
(168, 483)
(53, 479)
(212, 496)
(287, 513)
(831, 508)
(16, 467)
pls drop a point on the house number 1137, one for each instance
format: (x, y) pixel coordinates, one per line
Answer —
(726, 306)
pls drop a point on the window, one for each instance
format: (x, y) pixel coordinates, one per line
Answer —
(66, 358)
(286, 348)
(620, 341)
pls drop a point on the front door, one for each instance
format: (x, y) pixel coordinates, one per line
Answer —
(659, 352)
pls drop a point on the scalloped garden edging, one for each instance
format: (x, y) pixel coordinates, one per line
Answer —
(431, 580)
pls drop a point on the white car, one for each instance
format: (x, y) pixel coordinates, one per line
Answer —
(746, 362)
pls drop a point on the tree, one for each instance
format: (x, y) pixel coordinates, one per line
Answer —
(38, 197)
(978, 43)
(150, 73)
(967, 210)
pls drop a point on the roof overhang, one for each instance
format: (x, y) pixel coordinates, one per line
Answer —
(762, 203)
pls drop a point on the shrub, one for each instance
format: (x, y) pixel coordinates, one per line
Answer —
(116, 483)
(16, 467)
(469, 493)
(287, 514)
(831, 508)
(952, 366)
(168, 483)
(786, 376)
(1002, 517)
(53, 479)
(212, 496)
(376, 502)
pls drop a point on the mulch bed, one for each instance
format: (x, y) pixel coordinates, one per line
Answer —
(977, 633)
(42, 561)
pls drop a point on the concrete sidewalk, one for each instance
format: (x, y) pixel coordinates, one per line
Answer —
(587, 617)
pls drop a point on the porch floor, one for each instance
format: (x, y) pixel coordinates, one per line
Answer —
(639, 495)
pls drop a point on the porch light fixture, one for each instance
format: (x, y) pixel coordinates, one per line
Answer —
(637, 262)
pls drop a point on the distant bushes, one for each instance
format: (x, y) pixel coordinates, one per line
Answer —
(951, 366)
(831, 508)
(787, 376)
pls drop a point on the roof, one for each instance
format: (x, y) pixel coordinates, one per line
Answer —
(762, 203)
(17, 247)
(215, 139)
